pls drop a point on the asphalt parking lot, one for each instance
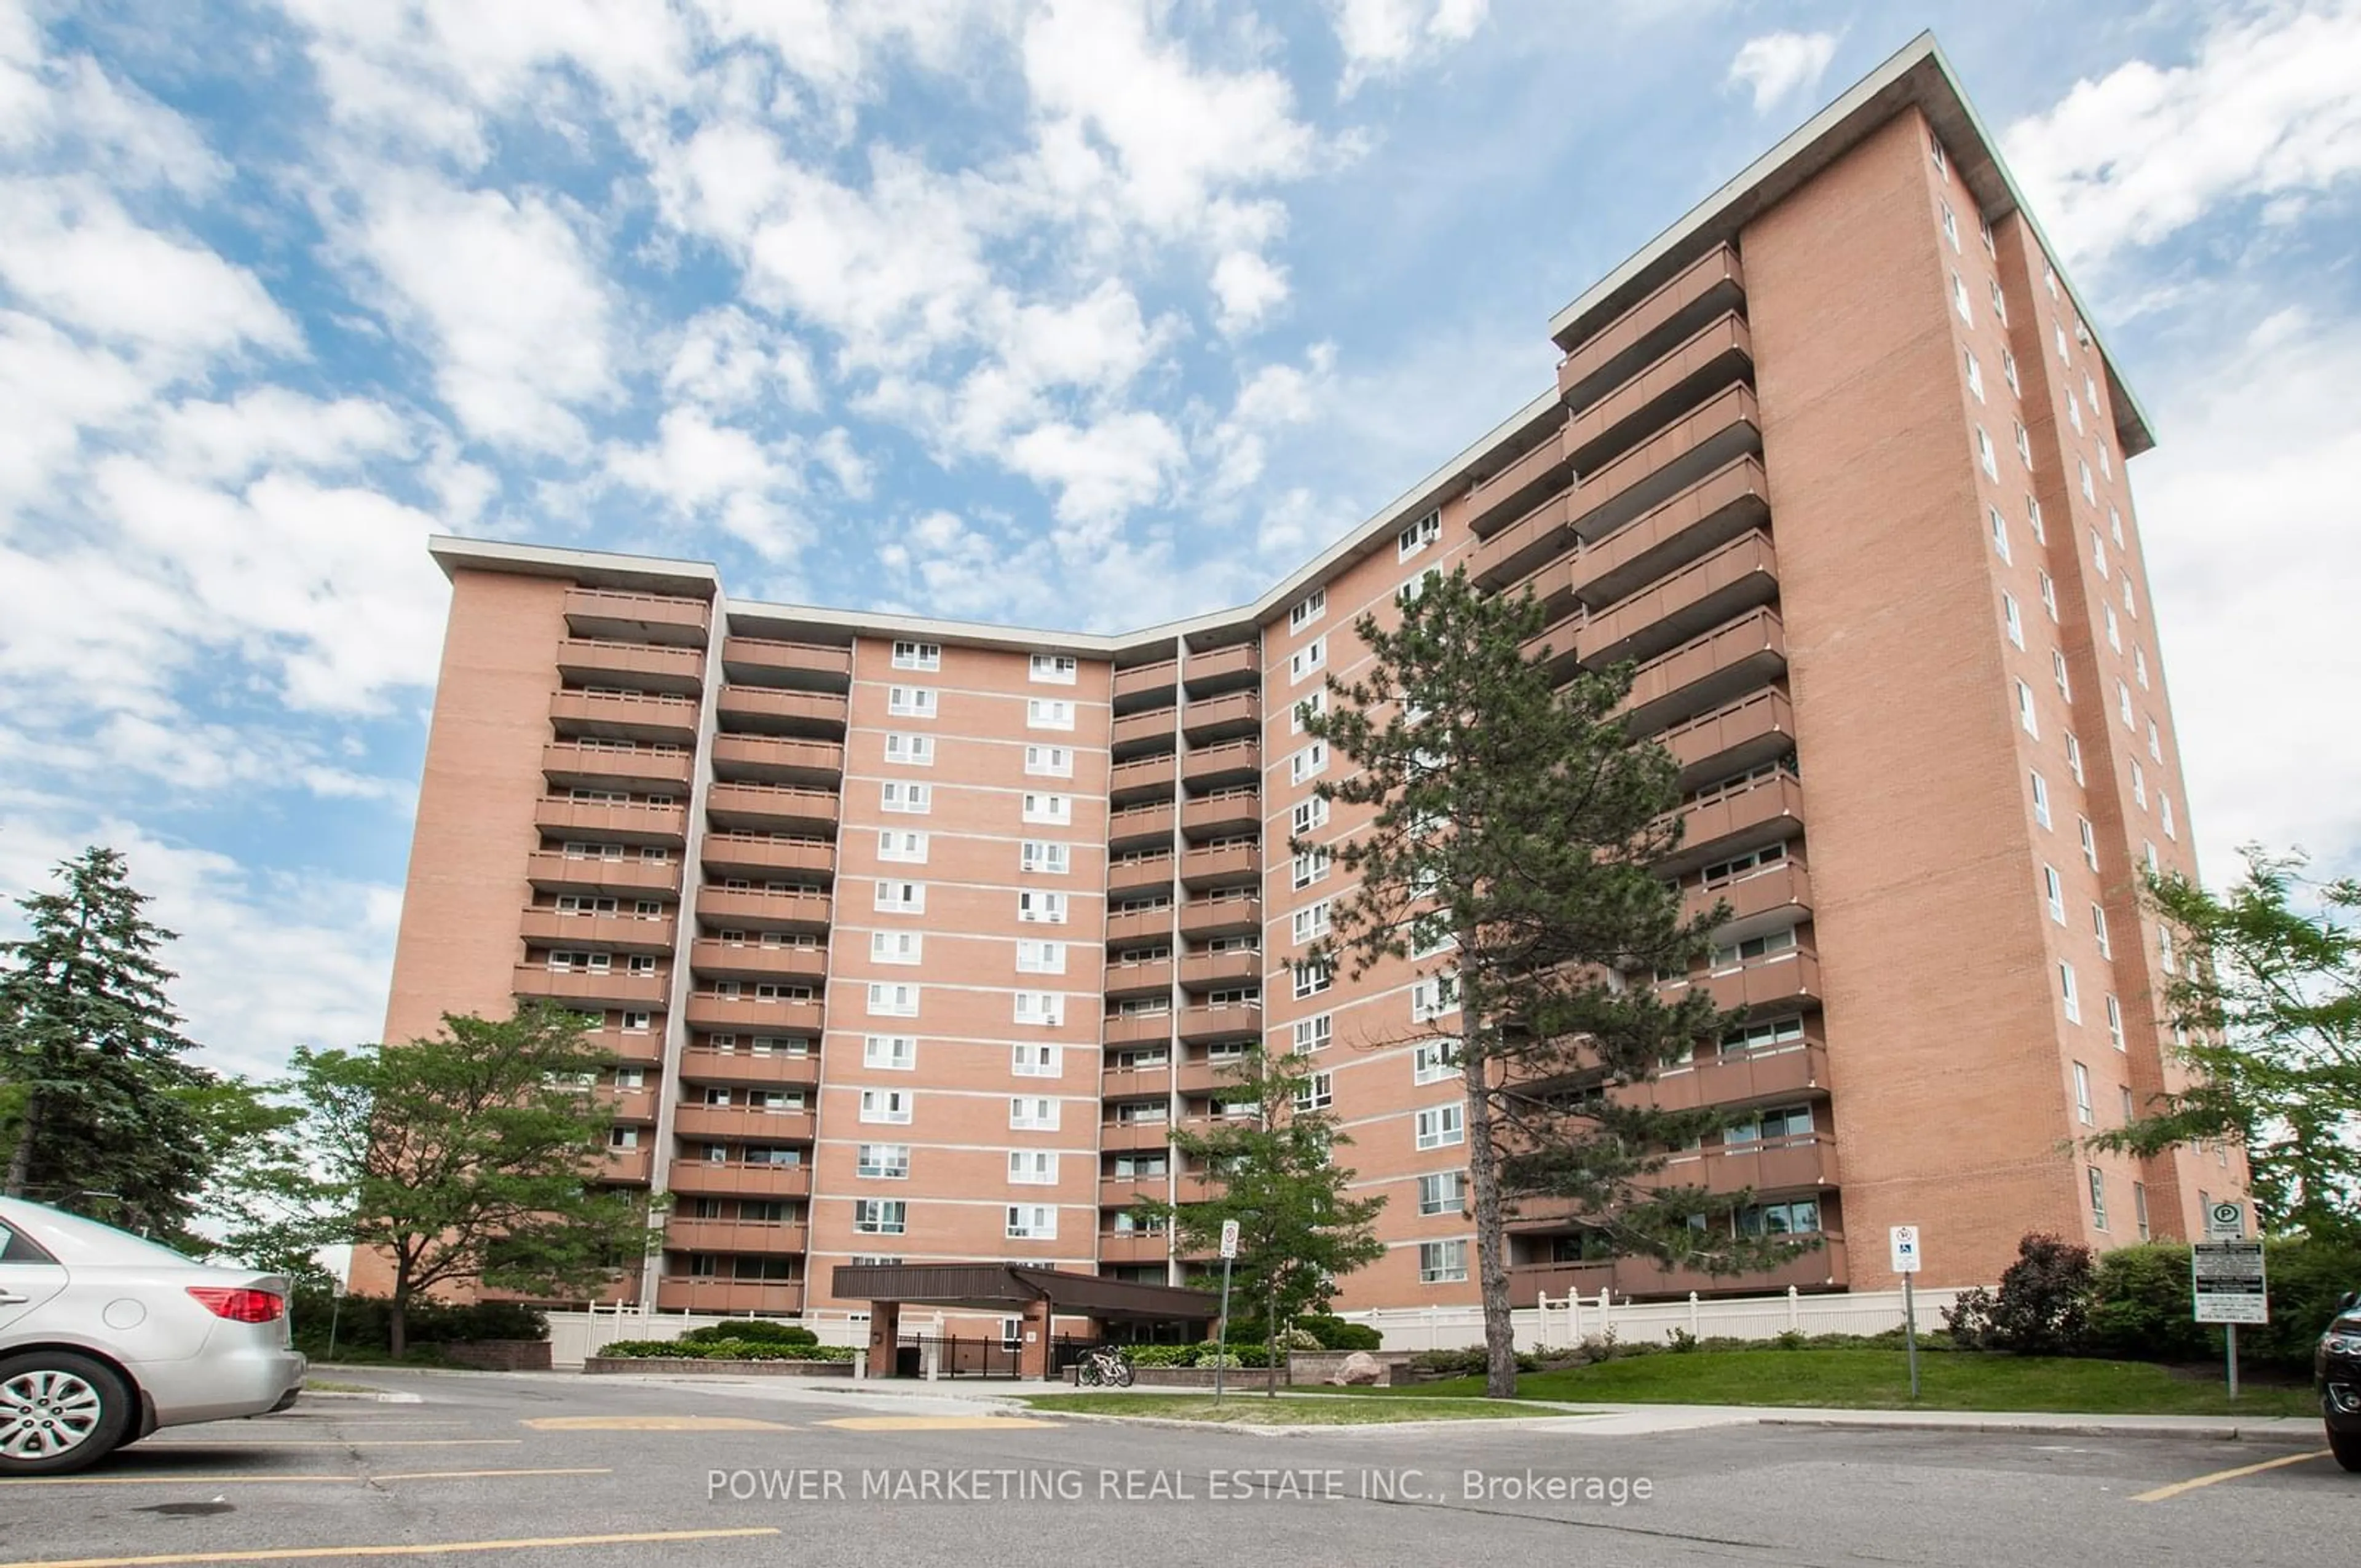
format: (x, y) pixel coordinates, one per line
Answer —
(580, 1472)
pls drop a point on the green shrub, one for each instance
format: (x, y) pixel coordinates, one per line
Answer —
(364, 1323)
(636, 1349)
(1680, 1340)
(1336, 1334)
(2141, 1308)
(1162, 1355)
(1300, 1339)
(753, 1330)
(686, 1349)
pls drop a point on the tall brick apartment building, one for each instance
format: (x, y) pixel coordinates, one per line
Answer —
(916, 938)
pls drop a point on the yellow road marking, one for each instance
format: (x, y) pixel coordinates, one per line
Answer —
(652, 1423)
(2161, 1492)
(266, 1478)
(302, 1553)
(936, 1423)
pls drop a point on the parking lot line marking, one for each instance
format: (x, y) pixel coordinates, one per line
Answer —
(264, 1477)
(936, 1423)
(2162, 1493)
(652, 1423)
(472, 1474)
(424, 1549)
(350, 1442)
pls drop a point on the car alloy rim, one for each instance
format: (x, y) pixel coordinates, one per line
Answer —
(46, 1413)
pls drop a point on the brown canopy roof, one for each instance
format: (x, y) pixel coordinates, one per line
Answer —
(995, 1287)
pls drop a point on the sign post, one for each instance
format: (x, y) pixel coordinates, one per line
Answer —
(1904, 1241)
(2226, 1280)
(1222, 1345)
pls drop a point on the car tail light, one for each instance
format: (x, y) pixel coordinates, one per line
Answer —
(239, 1305)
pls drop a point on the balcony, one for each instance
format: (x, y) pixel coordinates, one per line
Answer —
(1725, 428)
(1773, 1165)
(626, 1168)
(1747, 817)
(1132, 878)
(812, 666)
(778, 1015)
(1205, 918)
(1232, 1021)
(749, 807)
(1784, 983)
(1127, 1192)
(1230, 668)
(1823, 1267)
(606, 716)
(1709, 673)
(766, 759)
(1748, 732)
(1139, 734)
(1557, 644)
(778, 710)
(733, 1236)
(1716, 355)
(745, 1122)
(1725, 504)
(1609, 357)
(597, 988)
(675, 670)
(641, 1047)
(1221, 814)
(1138, 926)
(1211, 719)
(1148, 778)
(603, 614)
(1736, 577)
(756, 908)
(717, 960)
(1201, 1074)
(569, 764)
(1231, 763)
(1144, 977)
(1135, 826)
(766, 855)
(1143, 1133)
(1132, 1246)
(1230, 865)
(1233, 966)
(638, 1105)
(1136, 1029)
(1517, 550)
(721, 1178)
(1746, 1078)
(770, 1069)
(614, 822)
(614, 933)
(1519, 487)
(729, 1298)
(1761, 901)
(550, 871)
(1146, 686)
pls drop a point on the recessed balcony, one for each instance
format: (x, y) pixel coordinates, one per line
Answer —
(609, 716)
(1785, 982)
(733, 1236)
(768, 1069)
(767, 856)
(728, 1298)
(603, 614)
(569, 764)
(1795, 1071)
(598, 989)
(1759, 812)
(776, 759)
(1739, 576)
(1200, 1024)
(677, 671)
(1132, 1246)
(1136, 1029)
(614, 933)
(1229, 668)
(1230, 763)
(714, 958)
(1136, 1083)
(809, 667)
(1822, 1267)
(1232, 966)
(770, 1016)
(1780, 894)
(1718, 354)
(1149, 733)
(1211, 719)
(1237, 916)
(1132, 877)
(723, 1179)
(1138, 977)
(1707, 672)
(1223, 812)
(1133, 826)
(779, 710)
(1130, 1191)
(1125, 1136)
(773, 807)
(625, 876)
(625, 1168)
(1752, 730)
(761, 909)
(745, 1124)
(1146, 686)
(614, 822)
(1221, 866)
(1147, 778)
(1139, 925)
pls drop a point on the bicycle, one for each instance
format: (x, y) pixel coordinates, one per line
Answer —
(1103, 1367)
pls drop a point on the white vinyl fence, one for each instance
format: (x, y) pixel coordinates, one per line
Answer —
(1564, 1322)
(572, 1336)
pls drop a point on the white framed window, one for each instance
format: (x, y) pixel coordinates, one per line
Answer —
(1440, 1126)
(2026, 716)
(1033, 1113)
(1313, 1033)
(1987, 456)
(1999, 300)
(1935, 151)
(1951, 225)
(918, 655)
(2098, 1198)
(901, 897)
(910, 750)
(910, 702)
(1049, 762)
(880, 1216)
(910, 799)
(1441, 1263)
(2164, 815)
(1432, 1061)
(1033, 1059)
(2164, 948)
(2115, 1022)
(2072, 993)
(2115, 628)
(2083, 1112)
(884, 1162)
(1310, 980)
(2050, 279)
(1040, 958)
(1309, 763)
(1309, 707)
(2011, 620)
(1308, 815)
(1319, 1093)
(1986, 229)
(2130, 608)
(1041, 908)
(1032, 1168)
(1311, 866)
(2000, 534)
(1044, 856)
(899, 844)
(1418, 536)
(2114, 518)
(2023, 442)
(1960, 300)
(893, 1053)
(2089, 842)
(2058, 330)
(2140, 784)
(1415, 587)
(2107, 471)
(1056, 810)
(637, 1023)
(2053, 888)
(1445, 1192)
(2032, 520)
(885, 1105)
(2098, 932)
(897, 947)
(1975, 376)
(1056, 669)
(2049, 596)
(1033, 1222)
(1046, 1008)
(2008, 372)
(2147, 858)
(2040, 799)
(892, 999)
(2058, 672)
(2074, 759)
(1308, 658)
(2074, 410)
(623, 1138)
(2090, 490)
(1433, 997)
(1048, 713)
(2139, 667)
(1310, 922)
(1307, 609)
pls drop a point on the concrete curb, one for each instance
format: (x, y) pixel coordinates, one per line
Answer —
(2062, 1426)
(1487, 1423)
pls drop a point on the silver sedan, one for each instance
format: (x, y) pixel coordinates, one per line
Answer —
(105, 1338)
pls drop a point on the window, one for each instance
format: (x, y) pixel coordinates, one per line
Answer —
(2115, 1022)
(1033, 1222)
(896, 947)
(2107, 471)
(1441, 1263)
(1782, 1125)
(2139, 667)
(1309, 707)
(2000, 533)
(1985, 230)
(1308, 658)
(1764, 1038)
(1959, 301)
(2099, 930)
(2129, 608)
(2011, 620)
(912, 799)
(2058, 672)
(636, 1023)
(918, 655)
(1319, 1093)
(2074, 412)
(2049, 596)
(2050, 279)
(623, 1138)
(1999, 303)
(1059, 669)
(2032, 520)
(1431, 998)
(1950, 224)
(2098, 1198)
(911, 750)
(2008, 372)
(2074, 759)
(2090, 491)
(1307, 609)
(1032, 1168)
(2089, 842)
(2053, 889)
(1058, 809)
(1418, 536)
(893, 844)
(2140, 784)
(2025, 711)
(885, 1104)
(1042, 1007)
(2155, 741)
(892, 1000)
(1935, 151)
(2082, 1110)
(2114, 518)
(1040, 958)
(1440, 1126)
(1432, 1061)
(1031, 1061)
(1049, 762)
(1044, 856)
(886, 1162)
(2140, 1201)
(1310, 922)
(1313, 1033)
(1309, 815)
(910, 702)
(2071, 991)
(1310, 980)
(1754, 950)
(1416, 586)
(879, 1216)
(1987, 456)
(1041, 908)
(2164, 815)
(2023, 442)
(1311, 866)
(1048, 713)
(1975, 377)
(1309, 763)
(901, 897)
(2058, 330)
(895, 1053)
(1442, 1193)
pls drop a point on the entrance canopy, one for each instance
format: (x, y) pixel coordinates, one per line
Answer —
(1009, 1287)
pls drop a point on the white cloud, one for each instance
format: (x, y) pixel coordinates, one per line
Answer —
(1102, 470)
(2270, 110)
(719, 473)
(1777, 66)
(1247, 287)
(730, 361)
(1383, 38)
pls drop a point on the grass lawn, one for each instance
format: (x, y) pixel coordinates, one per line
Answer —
(1287, 1410)
(1880, 1379)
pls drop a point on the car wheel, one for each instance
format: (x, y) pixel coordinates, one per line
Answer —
(2346, 1446)
(59, 1412)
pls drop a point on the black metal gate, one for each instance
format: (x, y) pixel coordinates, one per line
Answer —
(986, 1356)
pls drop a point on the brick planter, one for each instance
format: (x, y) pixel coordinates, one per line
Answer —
(500, 1355)
(1190, 1376)
(731, 1368)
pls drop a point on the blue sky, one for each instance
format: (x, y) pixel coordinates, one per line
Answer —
(1084, 315)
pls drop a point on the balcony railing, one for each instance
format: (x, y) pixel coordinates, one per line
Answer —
(759, 1125)
(1724, 428)
(1715, 354)
(1708, 673)
(1224, 811)
(566, 763)
(1230, 1020)
(1519, 487)
(734, 1297)
(1720, 507)
(1232, 966)
(614, 822)
(1752, 730)
(750, 854)
(1231, 763)
(1139, 978)
(777, 710)
(782, 1015)
(1603, 361)
(675, 670)
(1739, 575)
(734, 1236)
(1222, 669)
(774, 806)
(1141, 1134)
(1224, 866)
(601, 988)
(614, 933)
(605, 613)
(623, 717)
(700, 1065)
(1136, 1029)
(752, 960)
(759, 908)
(624, 876)
(1139, 925)
(1213, 719)
(1143, 682)
(764, 662)
(1205, 917)
(720, 1179)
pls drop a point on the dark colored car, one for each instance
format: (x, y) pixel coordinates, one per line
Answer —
(2336, 1372)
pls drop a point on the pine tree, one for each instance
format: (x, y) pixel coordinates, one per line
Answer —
(102, 1110)
(1503, 834)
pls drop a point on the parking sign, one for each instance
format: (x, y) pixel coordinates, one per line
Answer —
(1904, 1239)
(1229, 1238)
